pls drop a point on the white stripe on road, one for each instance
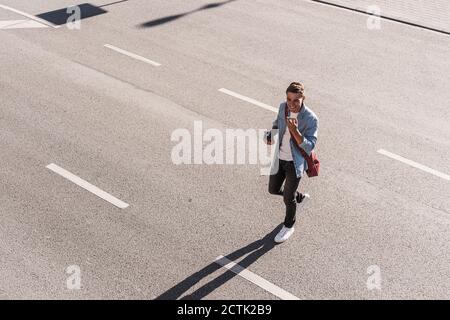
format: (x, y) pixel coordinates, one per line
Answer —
(414, 164)
(247, 99)
(250, 276)
(86, 185)
(21, 24)
(29, 16)
(132, 55)
(4, 24)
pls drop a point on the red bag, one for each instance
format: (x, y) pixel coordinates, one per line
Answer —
(313, 163)
(312, 160)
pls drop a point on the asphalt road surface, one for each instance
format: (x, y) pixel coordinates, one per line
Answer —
(90, 112)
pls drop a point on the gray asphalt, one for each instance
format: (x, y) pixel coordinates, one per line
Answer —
(107, 118)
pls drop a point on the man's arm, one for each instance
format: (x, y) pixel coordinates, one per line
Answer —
(274, 127)
(307, 141)
(275, 122)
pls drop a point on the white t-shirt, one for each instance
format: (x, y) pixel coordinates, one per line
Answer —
(285, 149)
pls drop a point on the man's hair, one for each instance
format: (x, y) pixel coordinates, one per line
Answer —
(296, 87)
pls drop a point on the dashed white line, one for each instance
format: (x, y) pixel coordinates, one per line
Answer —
(414, 164)
(254, 278)
(250, 100)
(86, 185)
(30, 16)
(132, 55)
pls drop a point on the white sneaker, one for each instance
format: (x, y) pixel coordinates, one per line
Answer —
(284, 234)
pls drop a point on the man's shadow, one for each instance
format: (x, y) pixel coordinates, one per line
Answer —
(256, 249)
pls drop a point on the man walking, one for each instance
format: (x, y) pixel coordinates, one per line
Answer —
(303, 124)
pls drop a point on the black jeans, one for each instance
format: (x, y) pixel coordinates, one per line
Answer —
(286, 171)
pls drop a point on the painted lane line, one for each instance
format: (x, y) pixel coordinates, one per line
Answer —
(250, 100)
(30, 16)
(4, 24)
(414, 164)
(255, 279)
(132, 55)
(86, 185)
(21, 24)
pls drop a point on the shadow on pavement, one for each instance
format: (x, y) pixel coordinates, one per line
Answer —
(167, 19)
(255, 250)
(87, 10)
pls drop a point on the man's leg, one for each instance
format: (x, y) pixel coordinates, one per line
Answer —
(276, 180)
(289, 194)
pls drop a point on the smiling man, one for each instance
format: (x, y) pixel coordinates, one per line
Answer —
(303, 124)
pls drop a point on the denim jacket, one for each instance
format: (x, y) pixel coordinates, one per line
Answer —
(308, 125)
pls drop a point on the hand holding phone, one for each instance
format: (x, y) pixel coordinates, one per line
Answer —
(268, 137)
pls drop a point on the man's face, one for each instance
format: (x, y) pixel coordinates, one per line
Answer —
(294, 101)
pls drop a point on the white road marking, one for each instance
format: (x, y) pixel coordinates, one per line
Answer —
(250, 276)
(414, 164)
(45, 22)
(4, 24)
(21, 24)
(86, 185)
(132, 55)
(247, 99)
